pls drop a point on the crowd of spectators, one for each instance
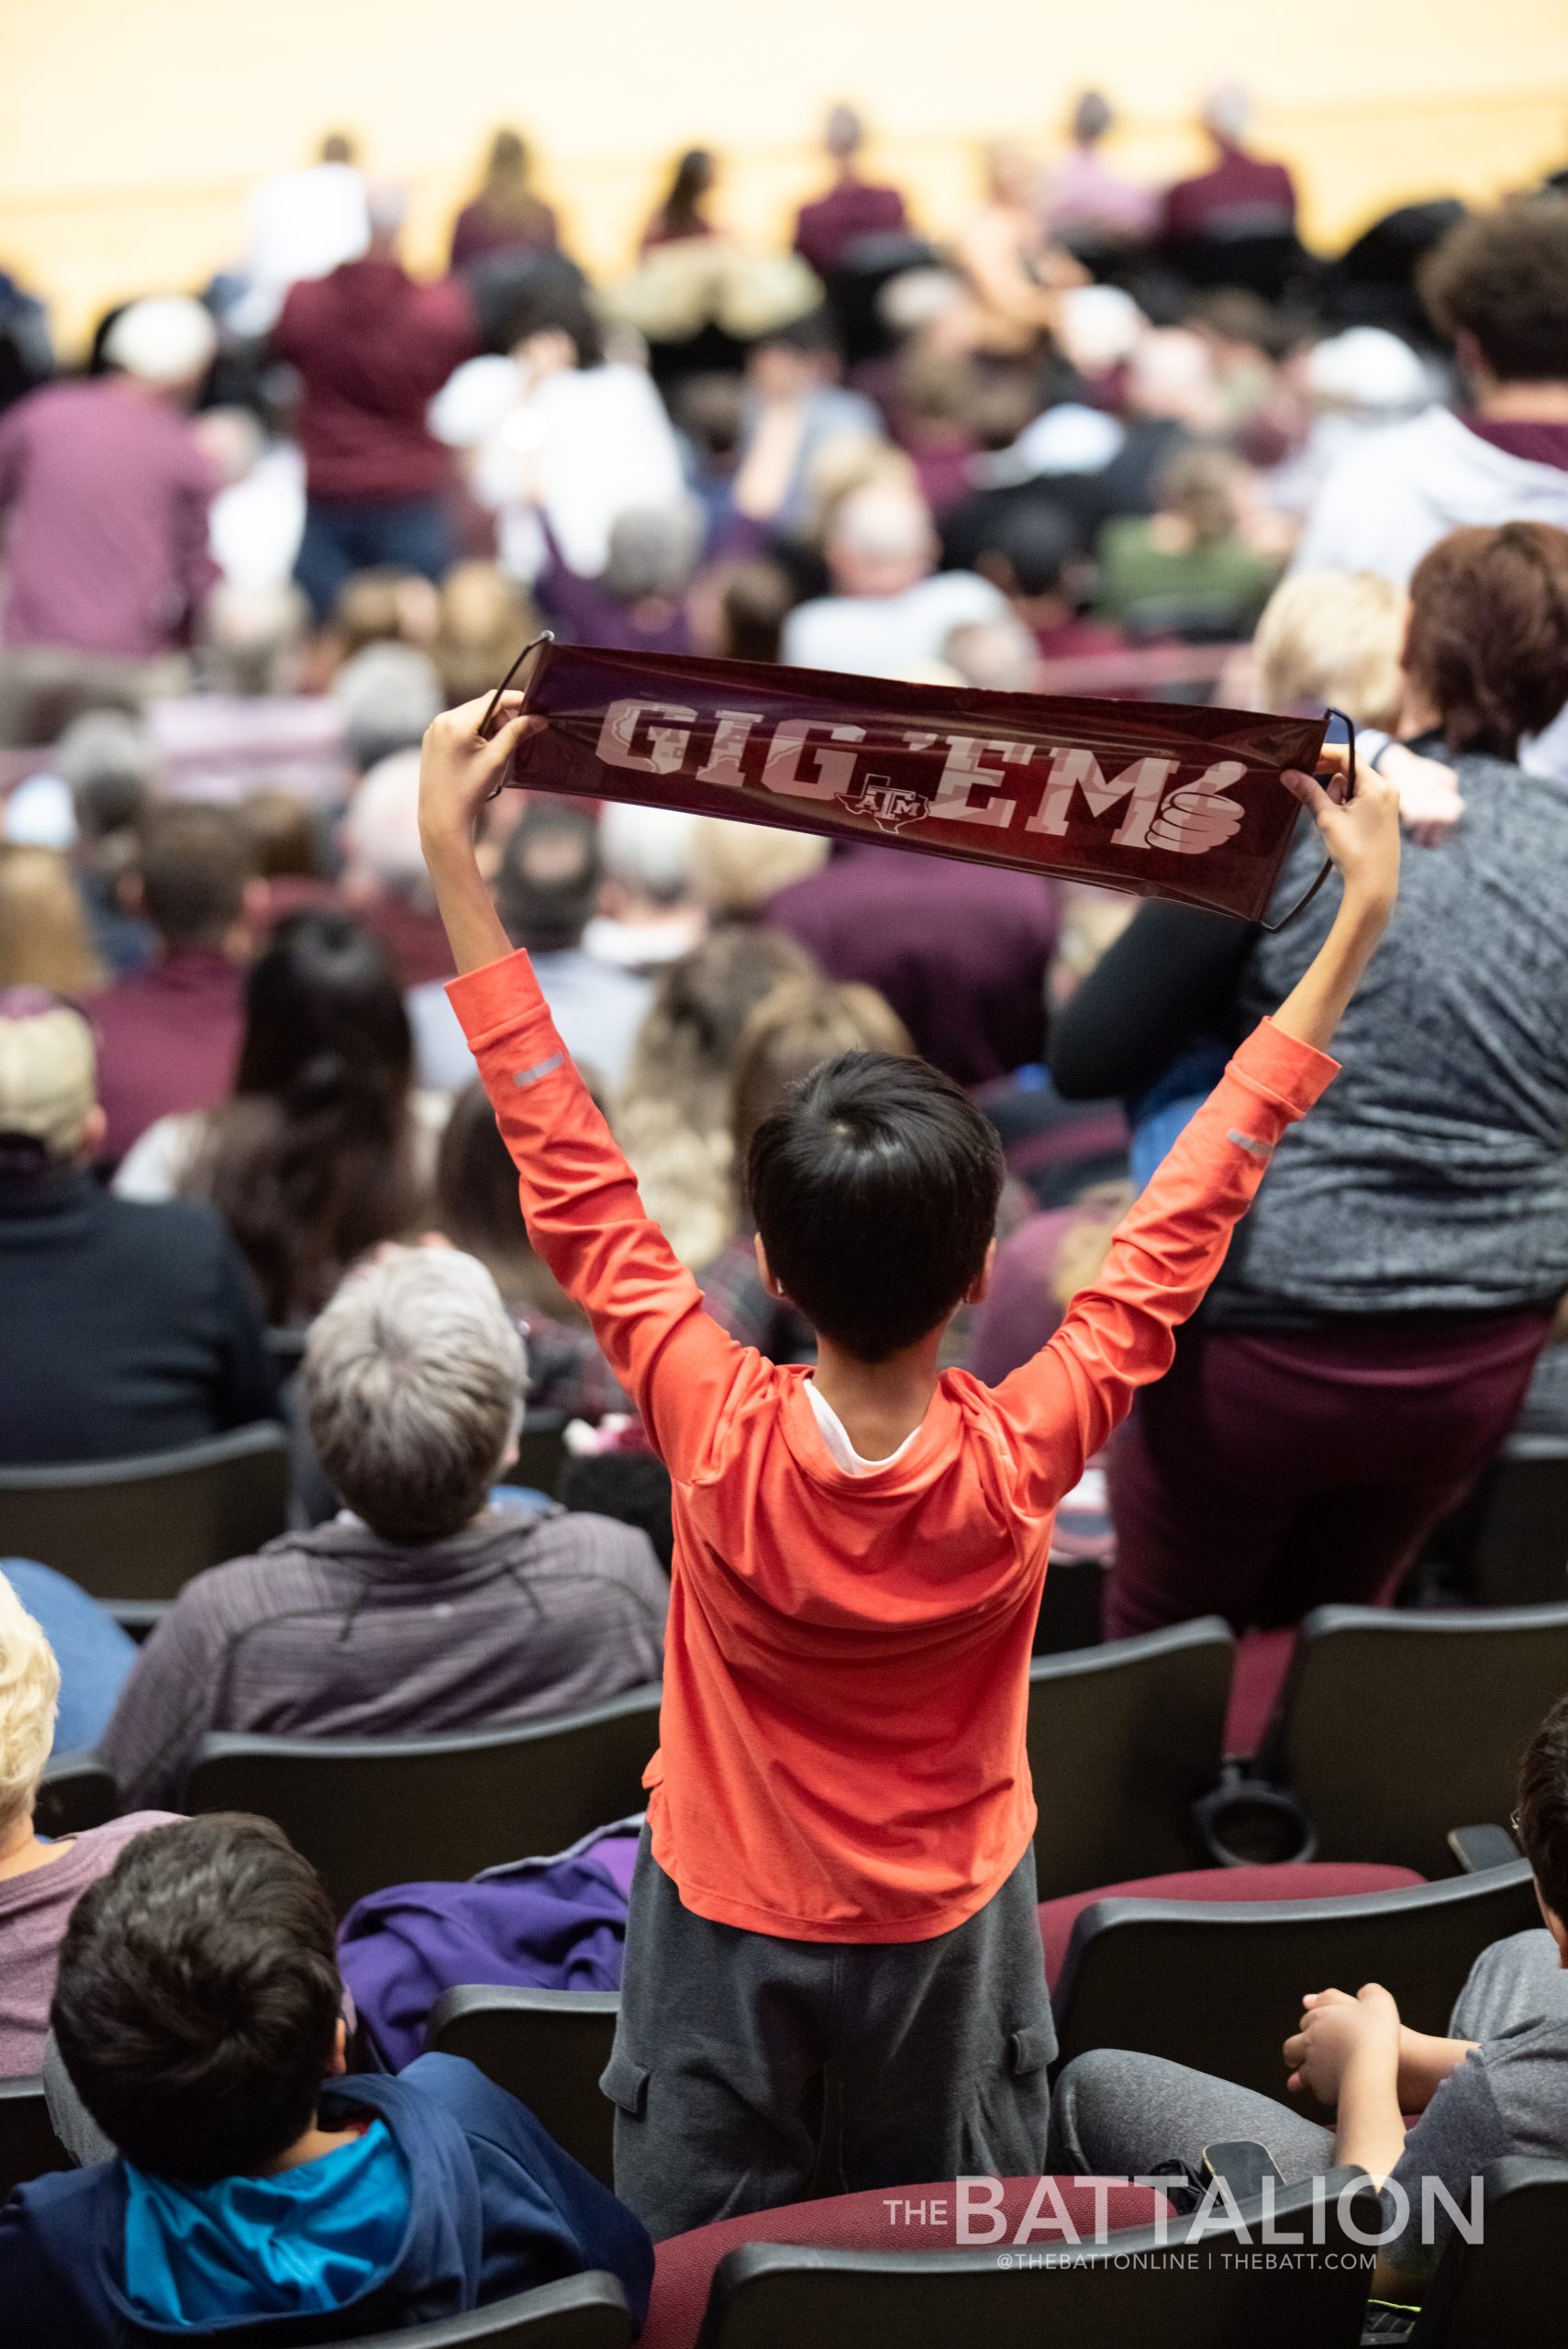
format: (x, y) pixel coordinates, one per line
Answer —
(1093, 438)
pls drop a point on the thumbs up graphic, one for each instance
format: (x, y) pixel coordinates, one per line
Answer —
(1197, 817)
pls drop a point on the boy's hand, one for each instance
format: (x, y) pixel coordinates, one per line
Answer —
(460, 768)
(1335, 2030)
(1363, 835)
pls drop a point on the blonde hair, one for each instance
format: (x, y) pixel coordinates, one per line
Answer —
(29, 1695)
(1333, 639)
(44, 938)
(736, 868)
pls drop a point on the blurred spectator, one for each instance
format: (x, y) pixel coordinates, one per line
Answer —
(107, 759)
(998, 656)
(508, 215)
(255, 725)
(1028, 546)
(647, 914)
(422, 1608)
(372, 348)
(1083, 200)
(476, 1210)
(737, 868)
(285, 841)
(673, 1119)
(738, 610)
(792, 1030)
(135, 1325)
(258, 515)
(638, 602)
(303, 225)
(961, 951)
(387, 695)
(40, 1880)
(826, 230)
(1333, 639)
(1355, 385)
(384, 604)
(1240, 195)
(1015, 276)
(168, 1035)
(383, 879)
(322, 1149)
(794, 410)
(561, 439)
(890, 616)
(546, 890)
(1188, 570)
(683, 212)
(45, 941)
(27, 353)
(1498, 286)
(484, 624)
(105, 493)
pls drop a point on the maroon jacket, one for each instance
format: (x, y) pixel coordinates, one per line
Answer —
(372, 348)
(168, 1040)
(852, 208)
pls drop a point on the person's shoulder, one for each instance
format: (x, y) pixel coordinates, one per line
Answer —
(580, 1537)
(101, 1846)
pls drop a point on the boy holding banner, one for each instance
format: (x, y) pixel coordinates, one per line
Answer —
(838, 1864)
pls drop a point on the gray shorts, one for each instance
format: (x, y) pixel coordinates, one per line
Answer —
(737, 2054)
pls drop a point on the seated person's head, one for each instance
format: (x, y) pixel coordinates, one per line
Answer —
(414, 1377)
(194, 866)
(1497, 285)
(1031, 553)
(198, 2001)
(795, 1028)
(384, 605)
(379, 834)
(873, 1188)
(485, 623)
(49, 1116)
(285, 841)
(29, 1694)
(881, 542)
(387, 695)
(1540, 1819)
(548, 883)
(253, 640)
(1333, 639)
(652, 553)
(647, 858)
(1486, 648)
(44, 938)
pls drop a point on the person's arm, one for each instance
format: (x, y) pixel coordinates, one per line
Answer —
(579, 1196)
(1347, 2052)
(1119, 1334)
(1173, 970)
(1425, 2062)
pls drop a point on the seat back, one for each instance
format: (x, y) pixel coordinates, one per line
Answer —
(545, 2047)
(372, 1811)
(541, 1449)
(76, 1791)
(1122, 1740)
(28, 2147)
(1135, 2285)
(579, 2312)
(1520, 1553)
(1507, 2287)
(1219, 1985)
(1394, 1728)
(138, 1528)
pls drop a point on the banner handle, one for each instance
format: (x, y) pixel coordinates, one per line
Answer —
(1311, 891)
(546, 635)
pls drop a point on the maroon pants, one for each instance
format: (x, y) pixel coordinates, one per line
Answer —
(1266, 1474)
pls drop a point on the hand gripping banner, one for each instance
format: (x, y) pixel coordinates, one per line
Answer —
(1157, 798)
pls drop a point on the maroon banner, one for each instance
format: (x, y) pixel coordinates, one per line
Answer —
(1154, 797)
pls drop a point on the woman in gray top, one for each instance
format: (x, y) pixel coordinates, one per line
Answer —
(1369, 1343)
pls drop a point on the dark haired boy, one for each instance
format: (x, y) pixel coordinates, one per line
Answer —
(1498, 2085)
(838, 1870)
(257, 2192)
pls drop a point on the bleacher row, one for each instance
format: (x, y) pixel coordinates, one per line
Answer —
(1188, 1895)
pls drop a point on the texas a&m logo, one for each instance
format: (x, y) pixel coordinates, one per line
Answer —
(982, 781)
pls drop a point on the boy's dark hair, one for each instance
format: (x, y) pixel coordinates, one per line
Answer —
(1503, 277)
(199, 1996)
(194, 863)
(875, 1187)
(1541, 1807)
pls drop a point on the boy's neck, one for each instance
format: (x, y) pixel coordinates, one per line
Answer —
(879, 1403)
(315, 2143)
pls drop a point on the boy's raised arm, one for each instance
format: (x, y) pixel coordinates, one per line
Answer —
(1119, 1334)
(579, 1196)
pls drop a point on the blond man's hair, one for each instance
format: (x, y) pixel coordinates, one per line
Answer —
(30, 1697)
(1333, 639)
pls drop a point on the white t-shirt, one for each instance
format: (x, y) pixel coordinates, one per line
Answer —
(835, 1436)
(888, 636)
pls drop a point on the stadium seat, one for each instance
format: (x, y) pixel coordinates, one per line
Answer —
(138, 1528)
(579, 2312)
(548, 2048)
(1122, 1741)
(925, 2222)
(1395, 1727)
(372, 1811)
(1520, 1552)
(1219, 1985)
(1303, 1881)
(77, 1791)
(1137, 2285)
(1509, 2285)
(28, 2147)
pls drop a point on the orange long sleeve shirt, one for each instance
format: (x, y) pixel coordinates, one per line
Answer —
(841, 1741)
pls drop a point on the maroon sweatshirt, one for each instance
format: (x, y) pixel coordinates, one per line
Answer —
(372, 348)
